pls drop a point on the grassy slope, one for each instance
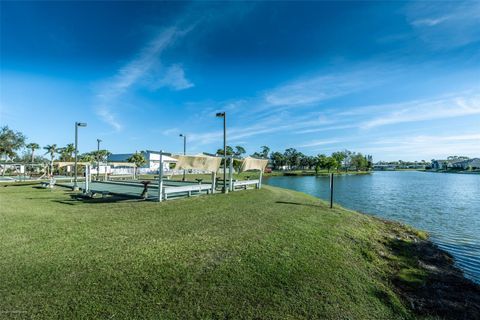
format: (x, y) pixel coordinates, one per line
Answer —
(267, 253)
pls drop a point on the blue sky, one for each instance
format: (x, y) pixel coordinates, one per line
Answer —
(398, 80)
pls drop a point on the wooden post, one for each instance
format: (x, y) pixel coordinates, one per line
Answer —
(331, 190)
(160, 178)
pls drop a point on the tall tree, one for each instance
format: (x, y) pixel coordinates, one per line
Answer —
(321, 162)
(331, 163)
(265, 151)
(100, 155)
(239, 150)
(138, 159)
(51, 149)
(278, 159)
(66, 153)
(291, 156)
(229, 151)
(339, 156)
(32, 146)
(359, 161)
(86, 157)
(10, 142)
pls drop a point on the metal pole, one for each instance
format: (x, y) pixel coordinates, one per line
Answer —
(184, 153)
(87, 178)
(160, 178)
(75, 185)
(98, 160)
(260, 179)
(225, 152)
(230, 174)
(331, 190)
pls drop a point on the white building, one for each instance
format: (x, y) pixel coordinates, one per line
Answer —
(151, 166)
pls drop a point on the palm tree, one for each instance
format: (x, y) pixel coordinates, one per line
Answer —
(51, 149)
(138, 159)
(33, 146)
(239, 150)
(265, 151)
(10, 142)
(66, 153)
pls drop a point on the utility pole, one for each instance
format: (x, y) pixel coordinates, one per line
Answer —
(77, 124)
(98, 158)
(184, 151)
(224, 116)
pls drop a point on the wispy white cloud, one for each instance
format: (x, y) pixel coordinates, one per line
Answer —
(326, 128)
(138, 71)
(174, 79)
(446, 24)
(319, 88)
(316, 143)
(429, 22)
(426, 110)
(268, 125)
(426, 147)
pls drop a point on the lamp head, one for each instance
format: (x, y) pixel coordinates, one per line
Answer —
(181, 135)
(220, 114)
(81, 124)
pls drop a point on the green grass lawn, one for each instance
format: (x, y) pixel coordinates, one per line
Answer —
(265, 254)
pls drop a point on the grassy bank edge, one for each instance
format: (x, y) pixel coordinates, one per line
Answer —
(419, 267)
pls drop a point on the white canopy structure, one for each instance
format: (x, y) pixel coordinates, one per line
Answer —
(198, 162)
(250, 163)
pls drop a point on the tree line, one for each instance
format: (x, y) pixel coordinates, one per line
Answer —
(12, 141)
(290, 159)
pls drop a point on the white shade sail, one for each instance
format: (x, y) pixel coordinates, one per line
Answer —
(250, 163)
(199, 162)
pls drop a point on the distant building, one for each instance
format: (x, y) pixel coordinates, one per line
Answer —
(152, 160)
(384, 167)
(466, 164)
(439, 164)
(461, 164)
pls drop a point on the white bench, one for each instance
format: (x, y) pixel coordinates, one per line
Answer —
(167, 191)
(245, 183)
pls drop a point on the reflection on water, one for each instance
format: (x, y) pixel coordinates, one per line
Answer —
(445, 205)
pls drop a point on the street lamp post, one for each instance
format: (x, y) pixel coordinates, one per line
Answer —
(98, 158)
(184, 151)
(77, 124)
(224, 116)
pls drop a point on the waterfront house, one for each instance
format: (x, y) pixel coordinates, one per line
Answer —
(466, 164)
(462, 164)
(439, 164)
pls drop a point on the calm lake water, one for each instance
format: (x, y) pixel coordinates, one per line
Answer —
(445, 205)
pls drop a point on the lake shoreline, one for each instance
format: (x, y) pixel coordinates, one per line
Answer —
(443, 205)
(443, 290)
(405, 272)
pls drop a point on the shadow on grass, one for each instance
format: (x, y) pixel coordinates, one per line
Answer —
(78, 198)
(300, 204)
(107, 199)
(430, 283)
